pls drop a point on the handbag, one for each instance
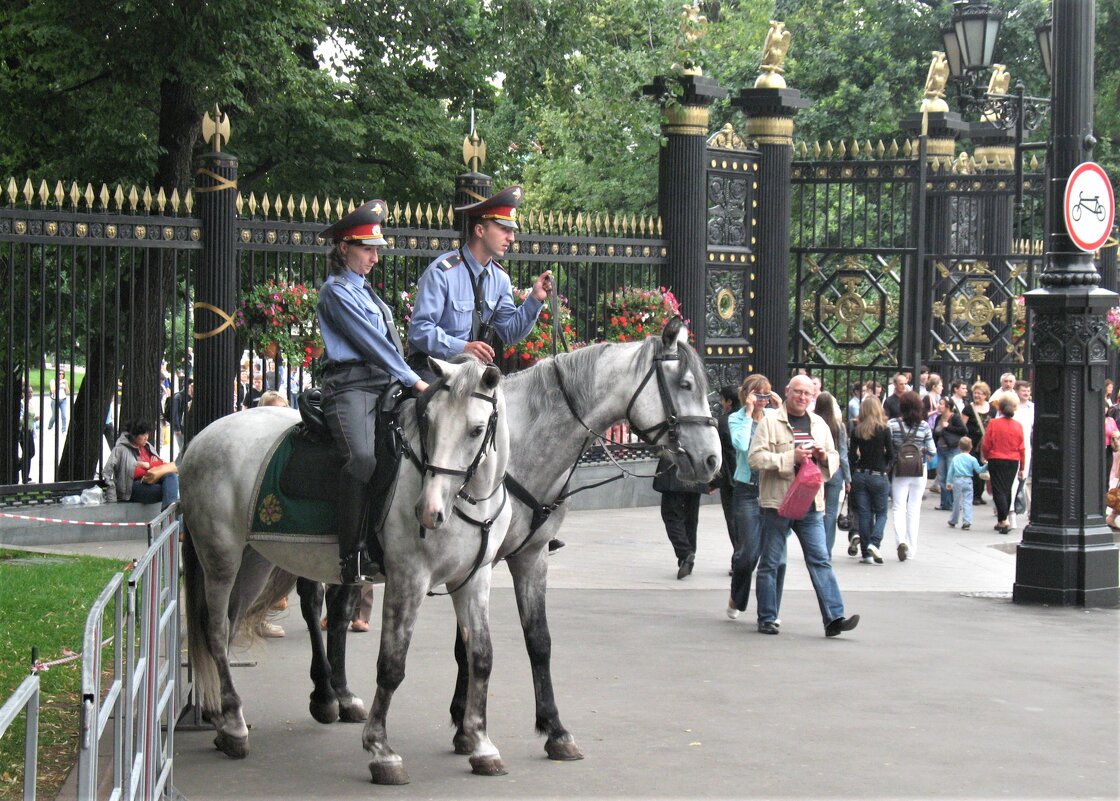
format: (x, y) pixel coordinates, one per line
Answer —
(802, 492)
(843, 522)
(1021, 499)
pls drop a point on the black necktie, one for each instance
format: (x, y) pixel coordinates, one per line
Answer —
(394, 337)
(479, 295)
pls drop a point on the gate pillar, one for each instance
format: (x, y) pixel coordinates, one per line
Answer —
(1067, 555)
(681, 196)
(214, 283)
(770, 112)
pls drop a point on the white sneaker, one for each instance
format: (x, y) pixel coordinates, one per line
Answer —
(732, 613)
(878, 557)
(866, 560)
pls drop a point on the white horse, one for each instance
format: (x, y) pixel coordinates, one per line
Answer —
(555, 408)
(460, 427)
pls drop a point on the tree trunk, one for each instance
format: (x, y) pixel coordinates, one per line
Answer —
(147, 294)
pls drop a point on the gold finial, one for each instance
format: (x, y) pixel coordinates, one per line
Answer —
(215, 128)
(936, 79)
(1000, 81)
(692, 27)
(774, 51)
(315, 207)
(474, 151)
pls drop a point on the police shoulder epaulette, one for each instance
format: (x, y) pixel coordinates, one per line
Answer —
(498, 264)
(450, 262)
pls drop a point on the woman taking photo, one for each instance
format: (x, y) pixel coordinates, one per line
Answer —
(136, 473)
(754, 395)
(1006, 453)
(976, 415)
(870, 454)
(948, 428)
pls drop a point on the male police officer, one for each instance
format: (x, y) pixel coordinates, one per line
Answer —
(465, 296)
(363, 355)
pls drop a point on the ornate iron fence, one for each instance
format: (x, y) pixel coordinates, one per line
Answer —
(97, 289)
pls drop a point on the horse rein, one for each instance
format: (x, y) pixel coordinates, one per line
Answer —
(670, 425)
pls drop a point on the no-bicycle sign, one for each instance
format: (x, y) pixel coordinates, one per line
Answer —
(1090, 206)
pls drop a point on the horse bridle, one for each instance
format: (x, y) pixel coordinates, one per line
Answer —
(425, 466)
(671, 424)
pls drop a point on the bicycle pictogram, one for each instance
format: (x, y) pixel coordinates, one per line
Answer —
(1092, 205)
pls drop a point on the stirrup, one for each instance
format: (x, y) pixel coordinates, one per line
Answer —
(358, 567)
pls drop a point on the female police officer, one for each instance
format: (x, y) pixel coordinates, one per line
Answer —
(363, 355)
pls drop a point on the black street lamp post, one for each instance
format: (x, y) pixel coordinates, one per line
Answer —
(1067, 556)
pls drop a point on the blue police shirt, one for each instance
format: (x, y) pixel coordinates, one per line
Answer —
(441, 316)
(355, 329)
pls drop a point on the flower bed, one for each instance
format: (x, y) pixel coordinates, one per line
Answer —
(631, 315)
(279, 321)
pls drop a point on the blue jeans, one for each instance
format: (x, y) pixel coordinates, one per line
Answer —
(871, 496)
(810, 532)
(962, 501)
(944, 457)
(165, 491)
(748, 545)
(832, 509)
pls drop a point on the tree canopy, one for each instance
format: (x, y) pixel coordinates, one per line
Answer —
(360, 98)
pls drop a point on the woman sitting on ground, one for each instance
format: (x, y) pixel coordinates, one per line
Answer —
(136, 474)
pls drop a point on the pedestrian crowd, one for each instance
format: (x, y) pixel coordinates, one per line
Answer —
(870, 464)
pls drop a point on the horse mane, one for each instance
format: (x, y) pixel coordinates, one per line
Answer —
(580, 369)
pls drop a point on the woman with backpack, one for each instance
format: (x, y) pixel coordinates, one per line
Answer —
(913, 446)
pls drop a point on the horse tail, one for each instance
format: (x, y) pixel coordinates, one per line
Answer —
(207, 684)
(279, 586)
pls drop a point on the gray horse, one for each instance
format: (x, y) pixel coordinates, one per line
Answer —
(465, 447)
(555, 407)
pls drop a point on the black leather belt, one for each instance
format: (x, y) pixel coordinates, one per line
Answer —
(872, 472)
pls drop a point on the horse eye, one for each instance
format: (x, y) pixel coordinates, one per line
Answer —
(686, 385)
(476, 431)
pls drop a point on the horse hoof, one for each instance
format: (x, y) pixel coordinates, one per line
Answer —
(323, 712)
(353, 712)
(233, 747)
(464, 746)
(388, 773)
(564, 751)
(488, 766)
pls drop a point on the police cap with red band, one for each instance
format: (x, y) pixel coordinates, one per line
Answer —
(501, 208)
(362, 226)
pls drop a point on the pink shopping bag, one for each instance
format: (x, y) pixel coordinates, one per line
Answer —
(802, 492)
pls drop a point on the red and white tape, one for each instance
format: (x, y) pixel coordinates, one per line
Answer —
(70, 522)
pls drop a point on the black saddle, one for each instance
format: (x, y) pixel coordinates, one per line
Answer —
(314, 467)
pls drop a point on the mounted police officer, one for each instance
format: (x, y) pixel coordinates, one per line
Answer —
(465, 298)
(363, 356)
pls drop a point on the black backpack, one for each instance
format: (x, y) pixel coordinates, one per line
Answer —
(909, 462)
(167, 409)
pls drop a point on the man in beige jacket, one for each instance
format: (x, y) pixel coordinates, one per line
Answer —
(784, 442)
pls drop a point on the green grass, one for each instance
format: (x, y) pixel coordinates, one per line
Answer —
(41, 381)
(44, 601)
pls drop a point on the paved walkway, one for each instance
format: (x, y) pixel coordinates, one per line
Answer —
(946, 689)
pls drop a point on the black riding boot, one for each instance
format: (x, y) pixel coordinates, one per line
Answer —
(359, 555)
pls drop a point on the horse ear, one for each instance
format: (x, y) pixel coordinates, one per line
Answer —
(491, 376)
(674, 332)
(437, 367)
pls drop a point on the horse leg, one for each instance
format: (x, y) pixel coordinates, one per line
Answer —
(530, 577)
(462, 744)
(342, 600)
(233, 734)
(324, 703)
(398, 618)
(472, 611)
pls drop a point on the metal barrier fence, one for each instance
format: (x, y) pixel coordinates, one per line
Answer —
(141, 694)
(25, 699)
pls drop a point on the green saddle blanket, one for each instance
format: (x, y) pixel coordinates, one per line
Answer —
(282, 513)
